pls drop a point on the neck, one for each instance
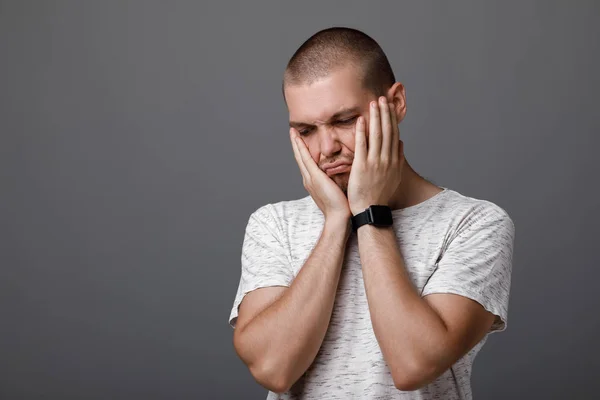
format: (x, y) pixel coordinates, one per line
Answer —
(413, 189)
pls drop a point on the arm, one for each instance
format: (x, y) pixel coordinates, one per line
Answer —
(420, 338)
(279, 344)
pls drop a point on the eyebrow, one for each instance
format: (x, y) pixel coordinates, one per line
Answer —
(336, 116)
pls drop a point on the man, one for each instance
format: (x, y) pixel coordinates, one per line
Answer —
(332, 305)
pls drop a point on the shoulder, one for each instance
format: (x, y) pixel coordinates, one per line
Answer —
(468, 213)
(284, 211)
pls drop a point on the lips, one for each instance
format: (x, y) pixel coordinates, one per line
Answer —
(336, 168)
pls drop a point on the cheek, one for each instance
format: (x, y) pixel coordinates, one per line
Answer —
(314, 153)
(350, 140)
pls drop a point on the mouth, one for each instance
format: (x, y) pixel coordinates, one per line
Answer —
(338, 170)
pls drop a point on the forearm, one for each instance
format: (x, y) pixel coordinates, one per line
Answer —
(410, 333)
(285, 337)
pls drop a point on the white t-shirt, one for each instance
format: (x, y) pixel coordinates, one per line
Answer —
(450, 243)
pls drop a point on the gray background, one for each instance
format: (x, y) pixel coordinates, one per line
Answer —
(137, 138)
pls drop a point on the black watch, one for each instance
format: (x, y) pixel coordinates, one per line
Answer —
(374, 215)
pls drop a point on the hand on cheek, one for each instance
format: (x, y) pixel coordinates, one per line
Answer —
(378, 158)
(326, 194)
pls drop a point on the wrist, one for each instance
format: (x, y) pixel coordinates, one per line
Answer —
(376, 214)
(338, 223)
(359, 208)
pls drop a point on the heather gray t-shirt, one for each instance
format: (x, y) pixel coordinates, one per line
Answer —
(450, 243)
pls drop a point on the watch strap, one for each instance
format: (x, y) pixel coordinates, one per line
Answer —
(377, 215)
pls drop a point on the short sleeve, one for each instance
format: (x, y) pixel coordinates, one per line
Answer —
(265, 259)
(478, 262)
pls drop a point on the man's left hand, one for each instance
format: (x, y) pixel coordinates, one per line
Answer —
(377, 167)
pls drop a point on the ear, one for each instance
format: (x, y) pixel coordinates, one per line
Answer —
(397, 95)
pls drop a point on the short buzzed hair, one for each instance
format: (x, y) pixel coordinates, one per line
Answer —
(336, 47)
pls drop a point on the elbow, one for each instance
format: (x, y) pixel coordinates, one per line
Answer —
(408, 385)
(413, 376)
(266, 373)
(270, 378)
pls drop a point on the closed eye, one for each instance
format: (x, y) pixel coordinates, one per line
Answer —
(346, 121)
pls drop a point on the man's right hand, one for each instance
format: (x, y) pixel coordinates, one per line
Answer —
(324, 191)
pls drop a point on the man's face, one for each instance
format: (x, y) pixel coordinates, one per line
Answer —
(325, 114)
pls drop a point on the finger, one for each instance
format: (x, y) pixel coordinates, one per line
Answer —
(374, 132)
(311, 166)
(395, 133)
(294, 138)
(386, 129)
(360, 140)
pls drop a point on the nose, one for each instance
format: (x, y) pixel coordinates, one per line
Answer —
(329, 142)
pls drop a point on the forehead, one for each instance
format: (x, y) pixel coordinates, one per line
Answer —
(317, 101)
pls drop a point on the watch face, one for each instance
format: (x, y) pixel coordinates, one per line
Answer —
(381, 215)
